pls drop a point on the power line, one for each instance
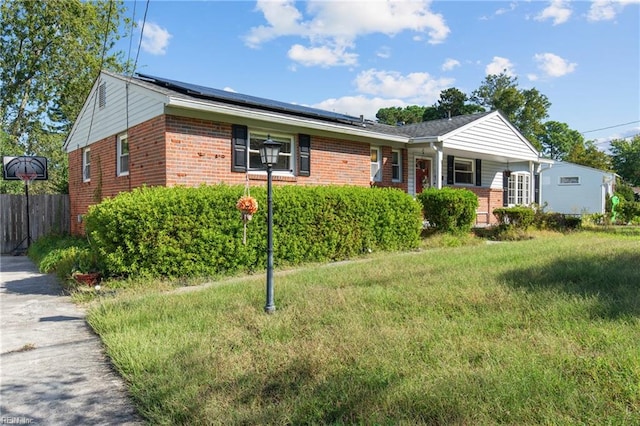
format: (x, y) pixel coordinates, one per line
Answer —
(133, 24)
(144, 21)
(104, 52)
(611, 127)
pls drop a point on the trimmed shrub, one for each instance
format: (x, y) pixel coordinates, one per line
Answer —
(449, 209)
(183, 231)
(518, 217)
(558, 221)
(630, 212)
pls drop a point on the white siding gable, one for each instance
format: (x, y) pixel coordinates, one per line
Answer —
(491, 135)
(95, 123)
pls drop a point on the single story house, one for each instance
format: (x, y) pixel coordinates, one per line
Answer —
(145, 130)
(574, 189)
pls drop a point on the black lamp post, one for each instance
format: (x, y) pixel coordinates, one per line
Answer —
(269, 153)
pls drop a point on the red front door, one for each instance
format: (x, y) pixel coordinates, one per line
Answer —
(423, 174)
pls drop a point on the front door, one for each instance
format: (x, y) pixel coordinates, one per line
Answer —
(422, 174)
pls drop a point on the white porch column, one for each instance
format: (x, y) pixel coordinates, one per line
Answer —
(532, 182)
(439, 157)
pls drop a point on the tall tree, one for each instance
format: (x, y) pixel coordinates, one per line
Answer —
(52, 52)
(526, 109)
(558, 139)
(453, 102)
(397, 115)
(625, 156)
(588, 154)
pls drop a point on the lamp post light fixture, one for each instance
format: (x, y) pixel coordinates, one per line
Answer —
(269, 153)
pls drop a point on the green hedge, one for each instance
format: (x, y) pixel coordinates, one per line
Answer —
(519, 217)
(198, 231)
(449, 209)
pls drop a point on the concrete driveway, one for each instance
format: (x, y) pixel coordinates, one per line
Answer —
(53, 369)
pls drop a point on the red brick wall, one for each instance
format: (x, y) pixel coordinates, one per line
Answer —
(171, 150)
(338, 162)
(147, 157)
(488, 200)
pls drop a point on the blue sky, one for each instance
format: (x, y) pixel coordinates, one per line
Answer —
(355, 57)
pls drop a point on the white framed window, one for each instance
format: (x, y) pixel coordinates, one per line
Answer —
(286, 159)
(519, 189)
(464, 171)
(123, 155)
(569, 180)
(376, 164)
(396, 166)
(86, 164)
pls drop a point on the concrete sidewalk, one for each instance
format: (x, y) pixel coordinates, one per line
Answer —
(53, 370)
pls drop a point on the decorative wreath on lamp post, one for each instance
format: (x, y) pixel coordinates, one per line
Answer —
(247, 206)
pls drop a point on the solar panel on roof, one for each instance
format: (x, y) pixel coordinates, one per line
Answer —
(239, 98)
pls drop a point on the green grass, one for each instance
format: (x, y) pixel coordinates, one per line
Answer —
(542, 331)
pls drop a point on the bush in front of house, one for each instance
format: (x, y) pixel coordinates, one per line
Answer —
(630, 212)
(449, 209)
(557, 221)
(518, 217)
(183, 231)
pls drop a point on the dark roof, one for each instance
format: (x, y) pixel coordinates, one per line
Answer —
(440, 127)
(240, 99)
(431, 128)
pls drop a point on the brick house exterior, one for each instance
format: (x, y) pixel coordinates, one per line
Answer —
(135, 131)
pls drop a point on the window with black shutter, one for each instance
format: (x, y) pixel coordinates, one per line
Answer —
(305, 155)
(239, 148)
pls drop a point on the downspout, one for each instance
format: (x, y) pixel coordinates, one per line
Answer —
(532, 186)
(540, 170)
(439, 158)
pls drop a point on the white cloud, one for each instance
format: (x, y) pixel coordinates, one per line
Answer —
(553, 65)
(384, 52)
(500, 65)
(359, 105)
(155, 39)
(340, 23)
(450, 64)
(532, 77)
(558, 10)
(418, 87)
(607, 10)
(503, 10)
(323, 56)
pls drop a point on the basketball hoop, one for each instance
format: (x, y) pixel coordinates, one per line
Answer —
(26, 177)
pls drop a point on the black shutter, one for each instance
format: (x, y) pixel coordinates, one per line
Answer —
(478, 172)
(505, 189)
(450, 169)
(239, 148)
(536, 189)
(305, 155)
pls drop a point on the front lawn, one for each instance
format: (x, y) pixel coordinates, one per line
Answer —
(543, 331)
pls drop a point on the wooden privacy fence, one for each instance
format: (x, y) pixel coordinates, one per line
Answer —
(47, 214)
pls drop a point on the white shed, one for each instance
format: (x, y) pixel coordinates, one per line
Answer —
(574, 189)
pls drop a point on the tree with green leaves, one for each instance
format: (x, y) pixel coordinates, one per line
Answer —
(588, 154)
(525, 109)
(453, 102)
(52, 52)
(397, 115)
(558, 139)
(625, 156)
